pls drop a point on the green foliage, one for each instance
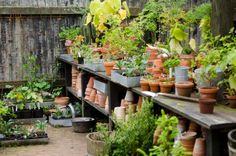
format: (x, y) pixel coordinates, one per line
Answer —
(4, 110)
(134, 133)
(165, 145)
(107, 14)
(56, 92)
(134, 66)
(171, 63)
(102, 128)
(69, 33)
(62, 114)
(40, 125)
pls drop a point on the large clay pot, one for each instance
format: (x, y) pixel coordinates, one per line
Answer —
(199, 147)
(90, 83)
(154, 86)
(232, 101)
(207, 105)
(184, 88)
(108, 67)
(144, 85)
(120, 113)
(166, 87)
(95, 146)
(129, 96)
(187, 140)
(62, 100)
(208, 92)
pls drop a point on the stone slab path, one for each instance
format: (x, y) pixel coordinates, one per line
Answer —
(63, 142)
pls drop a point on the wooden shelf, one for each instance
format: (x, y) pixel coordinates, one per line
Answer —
(73, 92)
(102, 110)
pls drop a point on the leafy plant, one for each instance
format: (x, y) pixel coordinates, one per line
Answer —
(4, 110)
(56, 92)
(134, 133)
(69, 33)
(40, 125)
(107, 14)
(165, 146)
(61, 114)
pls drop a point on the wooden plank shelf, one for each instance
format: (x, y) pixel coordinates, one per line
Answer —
(73, 92)
(102, 110)
(223, 116)
(73, 63)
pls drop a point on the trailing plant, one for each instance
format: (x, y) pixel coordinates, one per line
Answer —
(69, 33)
(165, 145)
(134, 133)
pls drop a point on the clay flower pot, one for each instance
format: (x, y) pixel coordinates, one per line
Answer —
(108, 67)
(199, 147)
(90, 83)
(62, 100)
(156, 72)
(185, 60)
(129, 96)
(187, 140)
(232, 101)
(208, 92)
(184, 88)
(144, 85)
(154, 86)
(166, 87)
(101, 99)
(207, 105)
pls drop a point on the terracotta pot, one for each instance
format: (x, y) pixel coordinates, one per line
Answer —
(93, 95)
(208, 92)
(96, 100)
(149, 69)
(187, 140)
(62, 100)
(102, 99)
(184, 88)
(108, 67)
(107, 105)
(90, 83)
(156, 72)
(207, 105)
(193, 127)
(185, 60)
(158, 63)
(232, 101)
(129, 96)
(166, 87)
(199, 147)
(144, 85)
(154, 86)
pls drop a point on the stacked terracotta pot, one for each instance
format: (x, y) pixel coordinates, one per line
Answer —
(101, 99)
(152, 52)
(78, 85)
(74, 74)
(89, 89)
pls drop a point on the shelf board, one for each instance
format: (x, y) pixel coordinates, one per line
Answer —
(222, 117)
(73, 92)
(102, 110)
(73, 63)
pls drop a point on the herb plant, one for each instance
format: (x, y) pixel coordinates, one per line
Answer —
(69, 33)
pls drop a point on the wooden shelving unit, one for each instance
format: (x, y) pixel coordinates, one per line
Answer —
(223, 119)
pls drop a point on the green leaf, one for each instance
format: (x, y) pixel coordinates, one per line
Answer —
(232, 82)
(89, 19)
(94, 5)
(178, 34)
(126, 8)
(175, 46)
(192, 44)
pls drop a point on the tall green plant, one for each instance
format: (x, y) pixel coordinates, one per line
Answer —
(136, 132)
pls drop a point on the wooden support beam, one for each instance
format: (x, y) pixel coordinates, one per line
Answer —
(13, 10)
(222, 16)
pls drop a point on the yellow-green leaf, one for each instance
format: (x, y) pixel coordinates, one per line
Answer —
(122, 14)
(175, 46)
(94, 5)
(232, 82)
(192, 44)
(126, 8)
(178, 34)
(89, 19)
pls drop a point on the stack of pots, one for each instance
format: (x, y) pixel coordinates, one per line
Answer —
(152, 52)
(74, 74)
(78, 85)
(89, 88)
(128, 100)
(120, 113)
(101, 99)
(181, 77)
(187, 140)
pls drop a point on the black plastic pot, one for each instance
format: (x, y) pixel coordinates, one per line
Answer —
(83, 124)
(24, 114)
(80, 60)
(38, 113)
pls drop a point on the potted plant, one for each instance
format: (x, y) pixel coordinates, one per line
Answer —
(169, 64)
(184, 88)
(69, 34)
(206, 105)
(60, 100)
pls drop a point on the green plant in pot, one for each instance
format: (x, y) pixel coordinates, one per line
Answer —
(229, 66)
(76, 49)
(164, 138)
(58, 99)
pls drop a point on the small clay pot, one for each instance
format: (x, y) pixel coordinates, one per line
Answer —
(154, 86)
(102, 99)
(208, 92)
(108, 67)
(232, 101)
(158, 62)
(166, 87)
(207, 105)
(199, 147)
(187, 140)
(62, 100)
(129, 96)
(144, 85)
(184, 88)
